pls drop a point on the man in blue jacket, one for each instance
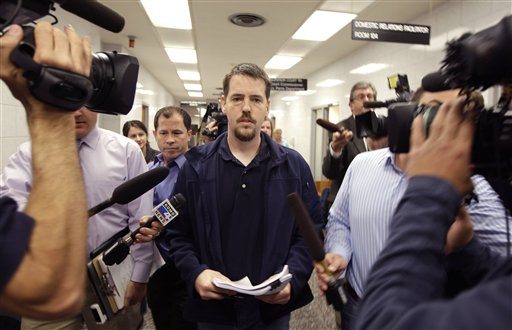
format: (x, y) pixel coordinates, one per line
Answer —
(406, 287)
(237, 221)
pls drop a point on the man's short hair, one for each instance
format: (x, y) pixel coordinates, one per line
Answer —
(249, 70)
(362, 85)
(168, 111)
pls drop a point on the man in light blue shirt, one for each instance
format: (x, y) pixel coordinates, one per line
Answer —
(166, 289)
(107, 160)
(359, 219)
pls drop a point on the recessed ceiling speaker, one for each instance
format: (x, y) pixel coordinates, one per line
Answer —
(247, 20)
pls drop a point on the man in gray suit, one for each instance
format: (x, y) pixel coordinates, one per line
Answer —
(345, 145)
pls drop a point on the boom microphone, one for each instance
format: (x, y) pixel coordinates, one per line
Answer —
(133, 188)
(164, 212)
(94, 12)
(335, 294)
(331, 127)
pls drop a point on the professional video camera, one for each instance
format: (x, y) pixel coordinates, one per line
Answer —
(474, 61)
(214, 112)
(372, 125)
(111, 86)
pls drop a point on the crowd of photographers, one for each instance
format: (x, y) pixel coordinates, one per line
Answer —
(421, 241)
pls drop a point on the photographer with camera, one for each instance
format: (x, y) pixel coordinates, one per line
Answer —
(406, 287)
(345, 145)
(373, 186)
(43, 248)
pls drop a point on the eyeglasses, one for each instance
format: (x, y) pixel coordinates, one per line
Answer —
(361, 97)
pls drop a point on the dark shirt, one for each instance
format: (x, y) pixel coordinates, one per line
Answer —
(241, 212)
(406, 288)
(15, 231)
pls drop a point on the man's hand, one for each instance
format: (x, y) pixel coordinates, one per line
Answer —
(335, 265)
(64, 50)
(447, 151)
(134, 293)
(147, 234)
(207, 290)
(340, 139)
(280, 298)
(460, 232)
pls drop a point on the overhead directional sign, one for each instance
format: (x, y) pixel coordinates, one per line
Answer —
(285, 84)
(391, 32)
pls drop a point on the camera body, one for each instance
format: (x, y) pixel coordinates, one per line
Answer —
(214, 112)
(109, 89)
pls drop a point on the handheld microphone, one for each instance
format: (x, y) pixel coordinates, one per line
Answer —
(94, 12)
(131, 189)
(377, 104)
(335, 293)
(164, 212)
(331, 127)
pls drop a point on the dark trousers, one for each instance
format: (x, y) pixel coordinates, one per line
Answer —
(166, 294)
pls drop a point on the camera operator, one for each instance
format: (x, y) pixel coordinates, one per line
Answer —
(43, 248)
(406, 291)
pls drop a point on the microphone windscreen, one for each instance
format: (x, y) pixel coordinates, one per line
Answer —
(306, 227)
(140, 184)
(375, 104)
(328, 125)
(434, 82)
(94, 12)
(177, 201)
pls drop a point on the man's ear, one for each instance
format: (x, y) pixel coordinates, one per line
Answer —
(189, 134)
(223, 102)
(154, 133)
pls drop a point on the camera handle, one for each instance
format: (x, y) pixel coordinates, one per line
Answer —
(61, 88)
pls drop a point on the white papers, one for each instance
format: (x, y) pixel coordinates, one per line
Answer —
(273, 284)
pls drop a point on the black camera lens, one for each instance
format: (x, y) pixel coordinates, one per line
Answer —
(114, 77)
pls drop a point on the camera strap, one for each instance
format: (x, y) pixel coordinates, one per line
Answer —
(61, 88)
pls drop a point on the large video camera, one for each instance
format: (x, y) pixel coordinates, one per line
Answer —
(214, 112)
(110, 88)
(372, 125)
(472, 62)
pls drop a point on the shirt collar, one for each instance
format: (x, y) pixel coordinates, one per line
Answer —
(226, 154)
(388, 159)
(92, 139)
(159, 159)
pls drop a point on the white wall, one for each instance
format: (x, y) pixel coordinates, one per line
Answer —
(295, 117)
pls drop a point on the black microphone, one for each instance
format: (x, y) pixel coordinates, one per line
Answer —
(335, 294)
(376, 104)
(133, 188)
(331, 127)
(164, 212)
(435, 82)
(94, 12)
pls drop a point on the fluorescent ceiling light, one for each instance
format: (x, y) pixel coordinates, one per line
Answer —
(189, 75)
(193, 87)
(182, 55)
(145, 91)
(139, 85)
(369, 68)
(290, 98)
(330, 83)
(282, 62)
(305, 93)
(195, 94)
(172, 14)
(322, 25)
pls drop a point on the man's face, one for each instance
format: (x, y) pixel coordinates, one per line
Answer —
(360, 96)
(246, 107)
(172, 137)
(85, 121)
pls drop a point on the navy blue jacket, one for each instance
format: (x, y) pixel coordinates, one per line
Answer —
(195, 234)
(406, 288)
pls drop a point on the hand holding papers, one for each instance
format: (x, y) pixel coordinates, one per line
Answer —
(273, 284)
